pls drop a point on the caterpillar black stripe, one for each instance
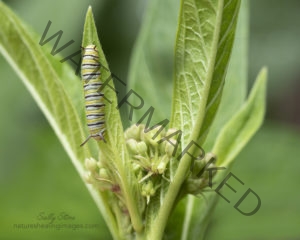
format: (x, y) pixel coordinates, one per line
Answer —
(94, 106)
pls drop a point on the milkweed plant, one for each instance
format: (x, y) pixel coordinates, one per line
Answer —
(157, 179)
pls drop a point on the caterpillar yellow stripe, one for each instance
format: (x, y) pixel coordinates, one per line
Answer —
(94, 104)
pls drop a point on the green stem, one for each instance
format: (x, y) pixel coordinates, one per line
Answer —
(133, 209)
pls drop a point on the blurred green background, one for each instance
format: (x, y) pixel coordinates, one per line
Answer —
(37, 177)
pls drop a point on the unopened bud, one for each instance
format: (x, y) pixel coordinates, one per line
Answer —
(88, 178)
(90, 164)
(141, 147)
(169, 149)
(132, 146)
(148, 137)
(133, 132)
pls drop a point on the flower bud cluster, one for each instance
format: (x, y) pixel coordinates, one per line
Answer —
(199, 178)
(150, 159)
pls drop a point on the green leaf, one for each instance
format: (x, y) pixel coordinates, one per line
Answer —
(151, 66)
(114, 153)
(238, 131)
(203, 47)
(235, 88)
(28, 60)
(234, 93)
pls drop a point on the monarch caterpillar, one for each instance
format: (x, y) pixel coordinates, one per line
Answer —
(94, 106)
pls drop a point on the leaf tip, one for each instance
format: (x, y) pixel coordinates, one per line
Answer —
(89, 14)
(263, 74)
(89, 11)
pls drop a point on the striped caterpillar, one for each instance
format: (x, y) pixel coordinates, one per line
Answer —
(94, 106)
